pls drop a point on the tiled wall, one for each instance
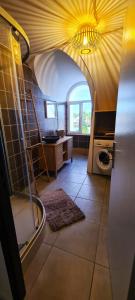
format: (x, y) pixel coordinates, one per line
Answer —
(10, 120)
(47, 126)
(81, 141)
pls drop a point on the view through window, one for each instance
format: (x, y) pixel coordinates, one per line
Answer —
(79, 109)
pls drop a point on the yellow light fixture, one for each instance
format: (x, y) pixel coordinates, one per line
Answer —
(86, 40)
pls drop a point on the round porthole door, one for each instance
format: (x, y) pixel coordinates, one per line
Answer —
(104, 160)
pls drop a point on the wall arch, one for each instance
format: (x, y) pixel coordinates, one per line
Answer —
(56, 72)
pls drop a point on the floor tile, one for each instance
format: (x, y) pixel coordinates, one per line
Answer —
(80, 239)
(104, 215)
(35, 266)
(92, 192)
(64, 277)
(71, 189)
(74, 177)
(50, 236)
(51, 186)
(107, 193)
(101, 287)
(80, 169)
(42, 183)
(95, 180)
(102, 249)
(17, 204)
(91, 209)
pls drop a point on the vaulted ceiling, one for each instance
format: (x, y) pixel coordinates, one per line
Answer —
(50, 24)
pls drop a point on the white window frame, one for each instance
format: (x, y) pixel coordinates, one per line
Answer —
(80, 116)
(70, 102)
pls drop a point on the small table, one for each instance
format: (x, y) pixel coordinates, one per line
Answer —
(59, 152)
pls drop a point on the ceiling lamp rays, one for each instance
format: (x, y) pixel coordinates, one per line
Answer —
(87, 39)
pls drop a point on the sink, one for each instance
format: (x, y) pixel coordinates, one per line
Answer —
(50, 139)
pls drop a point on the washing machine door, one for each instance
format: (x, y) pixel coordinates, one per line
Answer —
(104, 160)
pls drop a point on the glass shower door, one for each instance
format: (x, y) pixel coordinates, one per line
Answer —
(11, 91)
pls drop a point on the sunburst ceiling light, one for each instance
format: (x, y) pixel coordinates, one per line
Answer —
(87, 39)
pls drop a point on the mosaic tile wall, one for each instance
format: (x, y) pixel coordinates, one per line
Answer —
(81, 141)
(47, 126)
(11, 123)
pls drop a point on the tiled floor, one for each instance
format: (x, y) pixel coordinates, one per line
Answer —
(73, 262)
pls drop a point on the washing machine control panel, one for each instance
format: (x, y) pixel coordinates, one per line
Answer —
(103, 143)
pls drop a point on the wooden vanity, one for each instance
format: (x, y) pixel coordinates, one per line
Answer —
(58, 153)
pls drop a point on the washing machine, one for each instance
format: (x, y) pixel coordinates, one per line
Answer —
(102, 157)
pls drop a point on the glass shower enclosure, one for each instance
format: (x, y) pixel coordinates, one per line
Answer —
(12, 116)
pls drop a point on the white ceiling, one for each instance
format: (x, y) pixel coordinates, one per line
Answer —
(50, 24)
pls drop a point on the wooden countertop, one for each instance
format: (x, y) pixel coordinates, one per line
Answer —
(60, 141)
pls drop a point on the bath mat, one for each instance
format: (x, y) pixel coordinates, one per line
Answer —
(60, 209)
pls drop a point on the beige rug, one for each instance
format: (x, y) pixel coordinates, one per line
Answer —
(60, 209)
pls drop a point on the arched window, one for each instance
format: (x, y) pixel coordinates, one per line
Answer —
(79, 109)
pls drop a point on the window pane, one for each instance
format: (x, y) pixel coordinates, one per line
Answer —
(79, 93)
(74, 118)
(86, 118)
